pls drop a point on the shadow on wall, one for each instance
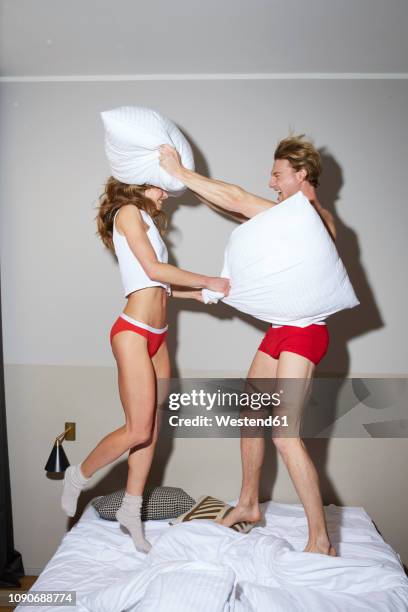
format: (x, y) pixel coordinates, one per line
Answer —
(343, 327)
(348, 324)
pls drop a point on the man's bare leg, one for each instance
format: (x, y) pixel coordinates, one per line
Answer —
(293, 452)
(295, 456)
(252, 455)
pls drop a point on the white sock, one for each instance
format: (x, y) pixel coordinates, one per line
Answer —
(128, 515)
(74, 482)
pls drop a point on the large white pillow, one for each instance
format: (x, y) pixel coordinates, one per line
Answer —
(284, 267)
(133, 135)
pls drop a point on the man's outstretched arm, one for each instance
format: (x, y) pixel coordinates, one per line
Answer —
(230, 197)
(225, 213)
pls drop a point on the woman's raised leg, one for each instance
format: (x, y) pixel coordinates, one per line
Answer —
(141, 457)
(140, 461)
(137, 391)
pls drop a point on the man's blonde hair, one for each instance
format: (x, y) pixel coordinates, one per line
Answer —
(301, 153)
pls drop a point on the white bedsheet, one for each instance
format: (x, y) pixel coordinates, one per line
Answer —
(221, 570)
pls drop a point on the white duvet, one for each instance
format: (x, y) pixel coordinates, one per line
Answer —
(284, 267)
(203, 567)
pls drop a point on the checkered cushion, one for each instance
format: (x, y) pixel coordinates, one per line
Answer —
(159, 503)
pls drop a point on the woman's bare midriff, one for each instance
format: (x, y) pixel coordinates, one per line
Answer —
(148, 306)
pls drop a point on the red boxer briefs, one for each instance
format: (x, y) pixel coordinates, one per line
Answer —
(311, 342)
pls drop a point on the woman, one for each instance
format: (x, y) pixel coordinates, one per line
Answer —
(287, 351)
(130, 223)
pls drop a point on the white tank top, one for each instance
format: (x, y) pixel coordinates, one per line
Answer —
(133, 275)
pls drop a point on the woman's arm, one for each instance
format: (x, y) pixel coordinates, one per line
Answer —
(225, 195)
(193, 294)
(133, 228)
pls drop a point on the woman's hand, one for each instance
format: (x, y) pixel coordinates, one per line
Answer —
(221, 285)
(170, 160)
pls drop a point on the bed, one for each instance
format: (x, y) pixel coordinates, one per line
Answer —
(200, 566)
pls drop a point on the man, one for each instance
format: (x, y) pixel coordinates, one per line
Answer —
(297, 167)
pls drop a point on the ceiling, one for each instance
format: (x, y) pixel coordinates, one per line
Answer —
(131, 37)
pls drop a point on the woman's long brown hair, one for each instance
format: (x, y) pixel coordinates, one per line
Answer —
(116, 195)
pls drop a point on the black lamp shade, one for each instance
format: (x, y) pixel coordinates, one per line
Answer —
(57, 461)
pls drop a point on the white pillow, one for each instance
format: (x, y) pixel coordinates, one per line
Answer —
(284, 267)
(133, 135)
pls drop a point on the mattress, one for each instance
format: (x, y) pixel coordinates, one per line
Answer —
(202, 566)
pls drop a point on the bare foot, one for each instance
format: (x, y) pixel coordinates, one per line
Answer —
(239, 513)
(321, 549)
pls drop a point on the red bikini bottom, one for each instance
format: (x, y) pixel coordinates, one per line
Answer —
(155, 337)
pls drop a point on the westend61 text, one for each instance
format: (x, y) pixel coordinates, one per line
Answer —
(228, 421)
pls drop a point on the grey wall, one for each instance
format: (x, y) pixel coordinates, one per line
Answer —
(245, 36)
(61, 290)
